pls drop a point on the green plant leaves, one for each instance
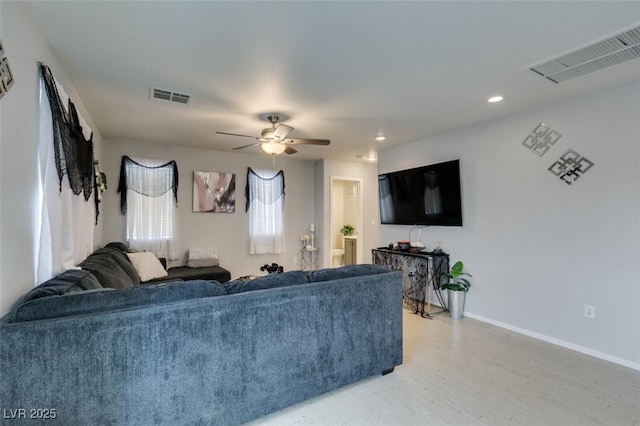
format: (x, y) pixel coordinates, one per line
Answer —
(456, 269)
(347, 230)
(456, 282)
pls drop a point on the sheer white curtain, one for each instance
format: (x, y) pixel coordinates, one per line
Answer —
(151, 220)
(266, 211)
(66, 221)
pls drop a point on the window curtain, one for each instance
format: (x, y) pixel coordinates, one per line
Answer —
(149, 198)
(265, 205)
(65, 223)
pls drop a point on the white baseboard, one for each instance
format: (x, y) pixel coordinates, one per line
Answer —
(553, 340)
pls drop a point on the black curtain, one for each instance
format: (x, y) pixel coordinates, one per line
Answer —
(268, 197)
(133, 177)
(73, 153)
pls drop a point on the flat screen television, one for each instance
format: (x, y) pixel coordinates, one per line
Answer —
(428, 195)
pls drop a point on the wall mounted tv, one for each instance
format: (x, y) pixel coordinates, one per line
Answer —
(428, 195)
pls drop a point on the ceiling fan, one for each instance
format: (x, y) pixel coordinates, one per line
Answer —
(274, 139)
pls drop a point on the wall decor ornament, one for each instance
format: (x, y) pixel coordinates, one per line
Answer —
(541, 139)
(570, 167)
(6, 78)
(214, 192)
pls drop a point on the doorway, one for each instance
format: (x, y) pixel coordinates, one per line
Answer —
(345, 209)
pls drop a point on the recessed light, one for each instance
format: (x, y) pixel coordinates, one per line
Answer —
(381, 138)
(495, 99)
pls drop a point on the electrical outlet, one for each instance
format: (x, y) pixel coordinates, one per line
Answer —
(589, 311)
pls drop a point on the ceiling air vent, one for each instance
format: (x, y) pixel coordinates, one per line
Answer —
(168, 96)
(615, 50)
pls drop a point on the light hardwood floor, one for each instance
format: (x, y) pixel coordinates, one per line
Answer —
(471, 373)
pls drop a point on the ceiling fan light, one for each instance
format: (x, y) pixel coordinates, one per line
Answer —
(273, 148)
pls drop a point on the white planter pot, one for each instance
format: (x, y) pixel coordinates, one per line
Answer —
(455, 300)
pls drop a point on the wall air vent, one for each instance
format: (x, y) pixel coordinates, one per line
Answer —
(607, 53)
(168, 96)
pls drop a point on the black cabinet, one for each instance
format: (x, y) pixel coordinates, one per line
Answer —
(420, 271)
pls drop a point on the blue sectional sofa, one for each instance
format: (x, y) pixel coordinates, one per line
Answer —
(194, 352)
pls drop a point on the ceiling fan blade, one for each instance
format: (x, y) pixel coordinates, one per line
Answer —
(282, 131)
(290, 150)
(235, 134)
(308, 141)
(247, 146)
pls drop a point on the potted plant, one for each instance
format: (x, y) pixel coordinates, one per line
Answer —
(456, 289)
(347, 230)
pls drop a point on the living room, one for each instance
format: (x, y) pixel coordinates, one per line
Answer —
(539, 250)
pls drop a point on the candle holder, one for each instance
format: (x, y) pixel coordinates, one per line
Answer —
(313, 236)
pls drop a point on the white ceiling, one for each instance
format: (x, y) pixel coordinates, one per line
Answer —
(346, 71)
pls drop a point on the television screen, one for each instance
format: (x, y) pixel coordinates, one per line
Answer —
(428, 195)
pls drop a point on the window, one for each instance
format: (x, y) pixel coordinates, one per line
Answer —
(265, 205)
(148, 198)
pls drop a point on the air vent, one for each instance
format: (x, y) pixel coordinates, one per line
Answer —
(168, 96)
(607, 53)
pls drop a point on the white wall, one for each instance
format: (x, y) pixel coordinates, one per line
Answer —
(228, 232)
(24, 46)
(539, 249)
(368, 231)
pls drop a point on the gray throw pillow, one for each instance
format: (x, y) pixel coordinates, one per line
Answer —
(203, 263)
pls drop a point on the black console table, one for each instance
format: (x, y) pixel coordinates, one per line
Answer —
(420, 270)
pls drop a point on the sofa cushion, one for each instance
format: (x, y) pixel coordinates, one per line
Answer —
(147, 265)
(348, 271)
(105, 300)
(123, 261)
(66, 282)
(108, 270)
(217, 273)
(284, 279)
(120, 246)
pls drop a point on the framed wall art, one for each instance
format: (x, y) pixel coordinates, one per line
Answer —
(6, 78)
(214, 192)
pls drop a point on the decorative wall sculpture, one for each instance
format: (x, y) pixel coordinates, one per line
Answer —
(6, 78)
(570, 166)
(541, 139)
